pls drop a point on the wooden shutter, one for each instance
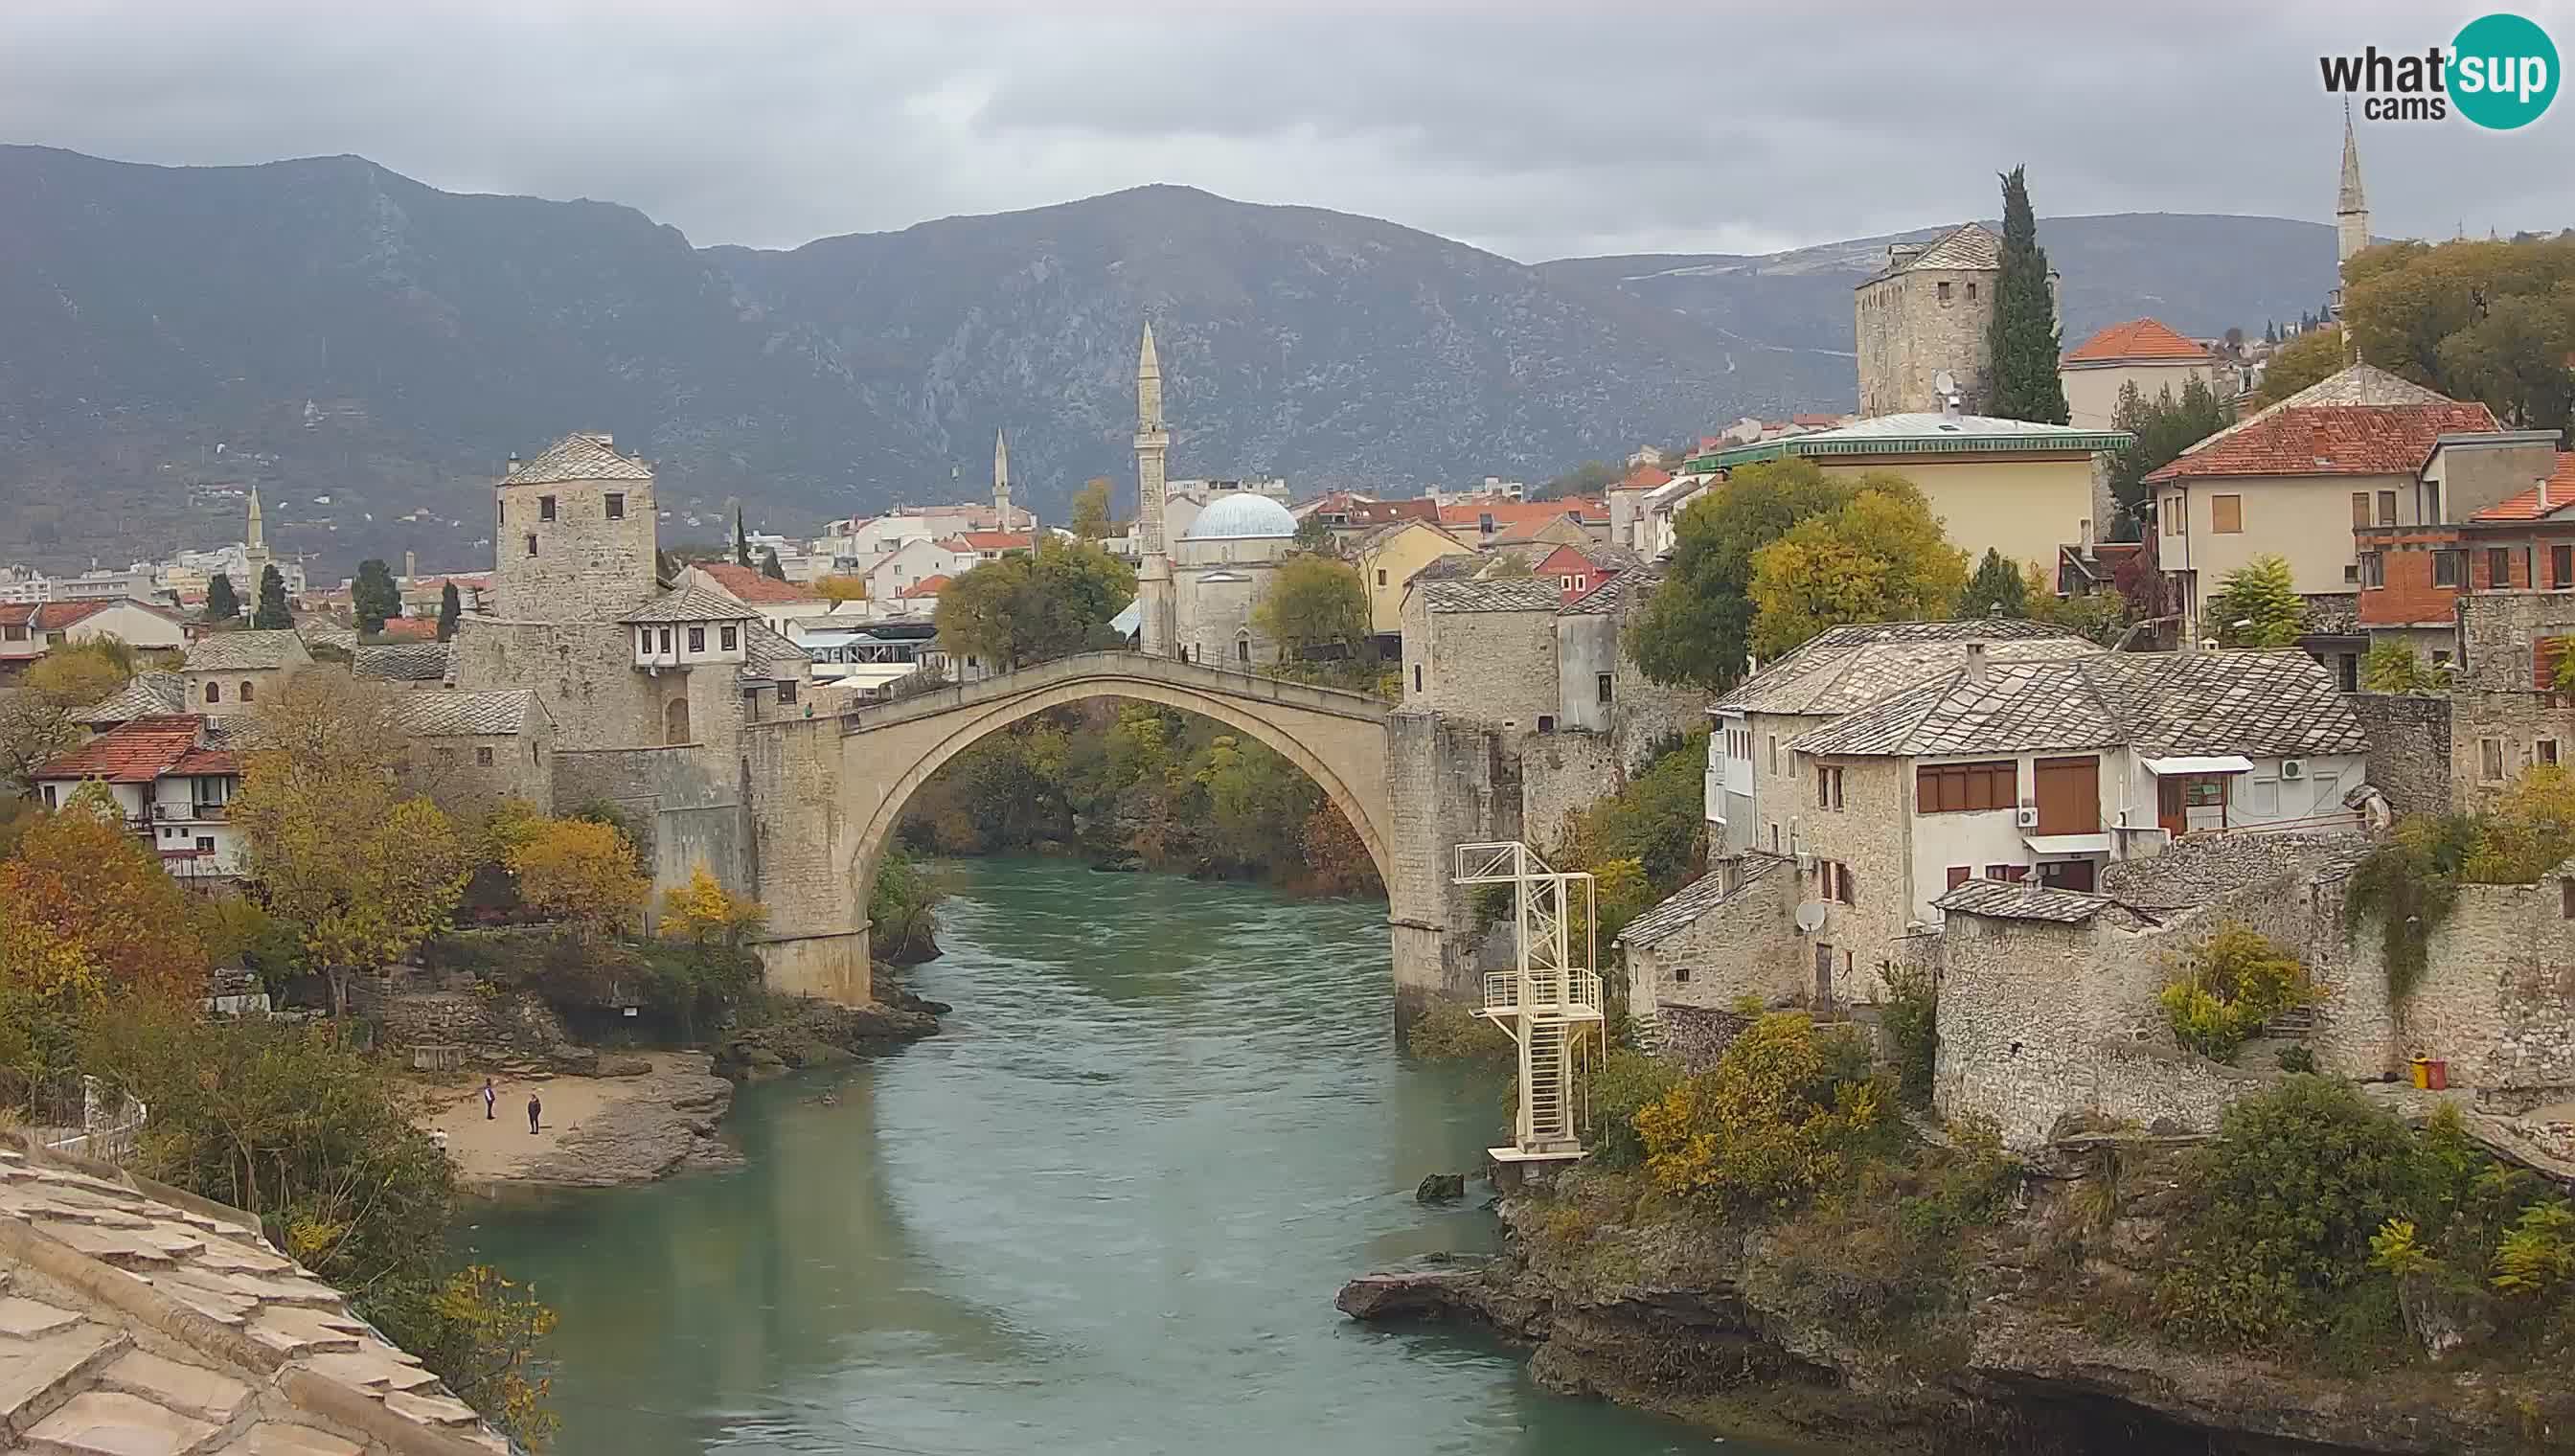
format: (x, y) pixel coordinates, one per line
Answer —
(2226, 514)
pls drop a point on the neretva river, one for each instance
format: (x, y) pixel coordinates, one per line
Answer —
(1105, 1211)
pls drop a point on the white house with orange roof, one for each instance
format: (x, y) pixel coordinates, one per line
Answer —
(2140, 352)
(778, 603)
(915, 562)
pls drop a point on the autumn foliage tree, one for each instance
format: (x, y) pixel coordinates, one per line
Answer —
(1314, 601)
(334, 842)
(581, 872)
(1696, 629)
(1880, 556)
(703, 912)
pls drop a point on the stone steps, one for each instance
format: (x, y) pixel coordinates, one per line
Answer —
(48, 1357)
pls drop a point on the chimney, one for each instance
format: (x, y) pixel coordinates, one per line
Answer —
(2543, 495)
(1949, 407)
(411, 564)
(1975, 662)
(2083, 533)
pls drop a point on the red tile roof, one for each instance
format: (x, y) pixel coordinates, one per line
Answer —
(926, 586)
(997, 539)
(1644, 478)
(134, 752)
(2331, 440)
(746, 585)
(409, 629)
(2135, 339)
(2526, 506)
(205, 762)
(1385, 512)
(1512, 514)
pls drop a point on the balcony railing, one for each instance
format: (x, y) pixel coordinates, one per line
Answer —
(1572, 992)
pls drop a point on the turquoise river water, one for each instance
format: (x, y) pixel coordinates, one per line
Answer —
(1105, 1211)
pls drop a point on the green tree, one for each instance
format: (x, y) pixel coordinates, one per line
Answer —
(1879, 556)
(374, 596)
(1027, 607)
(1091, 510)
(1314, 601)
(2258, 606)
(2515, 359)
(1996, 589)
(2395, 667)
(771, 566)
(2477, 320)
(2164, 427)
(741, 540)
(1315, 535)
(270, 615)
(2308, 359)
(2023, 339)
(1587, 479)
(221, 603)
(450, 608)
(1696, 629)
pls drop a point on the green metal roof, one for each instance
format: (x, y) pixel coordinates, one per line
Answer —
(1834, 441)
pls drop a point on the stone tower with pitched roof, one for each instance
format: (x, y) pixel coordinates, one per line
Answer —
(573, 533)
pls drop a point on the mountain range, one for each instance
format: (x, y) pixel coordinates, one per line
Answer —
(367, 349)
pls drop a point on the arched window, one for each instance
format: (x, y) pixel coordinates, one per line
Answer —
(245, 691)
(674, 722)
(214, 691)
(1242, 647)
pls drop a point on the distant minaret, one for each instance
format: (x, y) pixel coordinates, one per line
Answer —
(1155, 631)
(254, 557)
(2351, 212)
(1000, 481)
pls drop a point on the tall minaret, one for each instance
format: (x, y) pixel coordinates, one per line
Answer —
(1001, 480)
(2351, 211)
(254, 557)
(1156, 629)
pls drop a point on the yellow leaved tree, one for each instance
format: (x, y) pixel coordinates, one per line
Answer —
(578, 870)
(703, 911)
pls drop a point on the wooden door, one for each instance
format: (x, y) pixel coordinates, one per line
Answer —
(2168, 807)
(2069, 795)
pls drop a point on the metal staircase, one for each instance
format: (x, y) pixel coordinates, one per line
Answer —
(1551, 1001)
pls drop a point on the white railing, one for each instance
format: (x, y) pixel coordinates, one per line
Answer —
(1572, 992)
(109, 1126)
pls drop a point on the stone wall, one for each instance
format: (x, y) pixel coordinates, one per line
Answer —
(1746, 944)
(449, 767)
(1489, 668)
(413, 1009)
(2497, 999)
(2410, 748)
(585, 567)
(2514, 723)
(1560, 773)
(1449, 783)
(685, 813)
(584, 671)
(1867, 833)
(1907, 335)
(1696, 1037)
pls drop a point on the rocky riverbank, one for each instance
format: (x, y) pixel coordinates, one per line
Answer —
(641, 1118)
(2031, 1346)
(791, 1037)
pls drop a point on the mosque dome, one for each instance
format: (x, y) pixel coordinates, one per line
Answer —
(1242, 517)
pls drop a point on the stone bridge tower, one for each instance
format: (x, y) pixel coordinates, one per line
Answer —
(573, 533)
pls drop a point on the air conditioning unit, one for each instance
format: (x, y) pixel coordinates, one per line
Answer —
(2026, 817)
(2293, 768)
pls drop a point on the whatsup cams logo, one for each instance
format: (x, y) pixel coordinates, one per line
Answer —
(2500, 72)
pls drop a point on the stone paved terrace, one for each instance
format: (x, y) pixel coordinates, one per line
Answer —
(137, 1323)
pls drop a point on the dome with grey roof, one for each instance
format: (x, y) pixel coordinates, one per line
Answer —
(1242, 517)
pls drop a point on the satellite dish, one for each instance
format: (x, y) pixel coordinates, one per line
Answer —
(1810, 918)
(1946, 382)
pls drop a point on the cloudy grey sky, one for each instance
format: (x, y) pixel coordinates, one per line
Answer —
(1535, 132)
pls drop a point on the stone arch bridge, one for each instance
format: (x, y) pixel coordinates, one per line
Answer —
(826, 795)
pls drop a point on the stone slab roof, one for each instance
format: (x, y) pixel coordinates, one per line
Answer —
(147, 694)
(1694, 899)
(409, 662)
(2259, 705)
(238, 651)
(771, 657)
(580, 456)
(691, 603)
(2001, 901)
(1966, 245)
(1633, 584)
(452, 714)
(1510, 593)
(137, 1320)
(1846, 669)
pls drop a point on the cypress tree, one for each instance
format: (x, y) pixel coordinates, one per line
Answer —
(740, 541)
(448, 608)
(771, 567)
(374, 596)
(2023, 342)
(221, 603)
(270, 615)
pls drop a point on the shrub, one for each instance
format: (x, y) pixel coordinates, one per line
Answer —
(1448, 1031)
(2297, 1059)
(704, 913)
(1912, 1016)
(2538, 1257)
(1626, 1083)
(1781, 1114)
(2236, 980)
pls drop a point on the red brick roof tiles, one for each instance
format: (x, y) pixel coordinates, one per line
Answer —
(2135, 339)
(134, 752)
(926, 586)
(745, 584)
(980, 541)
(2560, 490)
(2331, 440)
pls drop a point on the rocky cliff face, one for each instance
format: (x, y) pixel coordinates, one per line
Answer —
(1721, 1326)
(367, 349)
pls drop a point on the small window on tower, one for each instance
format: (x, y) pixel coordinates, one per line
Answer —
(482, 757)
(616, 505)
(1944, 293)
(732, 638)
(545, 507)
(1380, 576)
(531, 543)
(697, 638)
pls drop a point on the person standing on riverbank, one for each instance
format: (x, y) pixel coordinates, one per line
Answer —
(536, 1109)
(491, 1099)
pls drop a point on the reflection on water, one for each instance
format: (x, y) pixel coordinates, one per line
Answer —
(1103, 1213)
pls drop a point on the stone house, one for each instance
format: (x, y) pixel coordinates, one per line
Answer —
(2019, 488)
(227, 672)
(2495, 517)
(1482, 650)
(1752, 787)
(2505, 713)
(1577, 568)
(469, 750)
(2141, 352)
(1927, 313)
(407, 665)
(2351, 443)
(173, 782)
